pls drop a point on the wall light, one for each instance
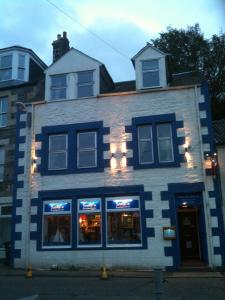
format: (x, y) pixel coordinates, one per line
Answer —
(123, 161)
(113, 161)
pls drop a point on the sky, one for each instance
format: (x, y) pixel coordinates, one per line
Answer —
(111, 31)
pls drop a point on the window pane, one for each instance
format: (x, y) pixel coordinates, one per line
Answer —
(1, 172)
(21, 73)
(4, 105)
(58, 143)
(57, 94)
(85, 91)
(3, 120)
(124, 227)
(57, 229)
(151, 79)
(89, 228)
(57, 160)
(6, 61)
(59, 80)
(164, 130)
(150, 65)
(6, 74)
(87, 159)
(21, 61)
(2, 156)
(85, 77)
(145, 132)
(165, 150)
(145, 152)
(86, 140)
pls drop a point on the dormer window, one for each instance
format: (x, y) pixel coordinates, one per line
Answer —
(150, 73)
(58, 87)
(85, 84)
(5, 67)
(21, 67)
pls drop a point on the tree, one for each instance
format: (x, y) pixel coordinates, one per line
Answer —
(190, 51)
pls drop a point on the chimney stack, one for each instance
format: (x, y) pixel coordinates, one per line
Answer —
(60, 46)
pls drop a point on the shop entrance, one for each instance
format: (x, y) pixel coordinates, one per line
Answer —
(188, 222)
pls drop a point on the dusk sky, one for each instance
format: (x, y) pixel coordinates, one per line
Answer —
(124, 24)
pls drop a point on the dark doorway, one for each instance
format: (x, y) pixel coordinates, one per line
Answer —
(188, 220)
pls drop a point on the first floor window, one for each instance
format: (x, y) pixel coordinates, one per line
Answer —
(123, 221)
(2, 162)
(165, 144)
(57, 222)
(58, 151)
(145, 146)
(87, 149)
(3, 111)
(89, 221)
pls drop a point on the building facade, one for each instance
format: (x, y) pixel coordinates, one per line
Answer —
(114, 173)
(20, 72)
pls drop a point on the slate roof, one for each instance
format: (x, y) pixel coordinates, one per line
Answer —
(219, 131)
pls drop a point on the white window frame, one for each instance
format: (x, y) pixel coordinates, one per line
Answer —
(90, 83)
(99, 211)
(6, 68)
(21, 67)
(1, 110)
(86, 149)
(49, 151)
(151, 70)
(57, 213)
(163, 139)
(145, 140)
(58, 88)
(120, 210)
(2, 165)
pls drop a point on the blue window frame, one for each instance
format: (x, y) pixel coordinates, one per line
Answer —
(77, 148)
(155, 142)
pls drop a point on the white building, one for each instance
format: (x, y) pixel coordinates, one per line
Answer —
(116, 175)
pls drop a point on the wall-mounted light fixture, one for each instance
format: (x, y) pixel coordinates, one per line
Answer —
(113, 163)
(211, 162)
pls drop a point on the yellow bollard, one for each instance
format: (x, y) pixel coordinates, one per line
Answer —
(29, 272)
(104, 274)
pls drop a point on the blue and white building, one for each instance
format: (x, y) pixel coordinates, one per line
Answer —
(117, 174)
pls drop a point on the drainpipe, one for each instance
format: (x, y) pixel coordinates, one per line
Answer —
(206, 205)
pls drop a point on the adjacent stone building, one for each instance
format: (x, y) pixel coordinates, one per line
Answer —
(115, 173)
(21, 80)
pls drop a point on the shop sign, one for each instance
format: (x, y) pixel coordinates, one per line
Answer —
(57, 207)
(122, 204)
(89, 205)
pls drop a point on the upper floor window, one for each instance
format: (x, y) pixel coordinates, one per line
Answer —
(150, 73)
(21, 67)
(5, 67)
(57, 152)
(86, 149)
(165, 143)
(58, 87)
(3, 111)
(2, 162)
(145, 145)
(85, 84)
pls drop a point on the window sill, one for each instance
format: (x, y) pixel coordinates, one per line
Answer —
(173, 164)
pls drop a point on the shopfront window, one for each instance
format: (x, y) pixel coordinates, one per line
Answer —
(123, 221)
(89, 222)
(57, 223)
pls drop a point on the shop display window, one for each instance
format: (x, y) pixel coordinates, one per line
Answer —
(123, 221)
(57, 223)
(89, 222)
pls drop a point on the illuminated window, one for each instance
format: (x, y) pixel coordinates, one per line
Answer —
(57, 223)
(85, 84)
(123, 221)
(57, 152)
(89, 222)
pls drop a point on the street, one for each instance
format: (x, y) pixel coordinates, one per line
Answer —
(93, 288)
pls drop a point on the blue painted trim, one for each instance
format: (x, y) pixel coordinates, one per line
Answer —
(171, 213)
(101, 192)
(33, 235)
(71, 130)
(17, 219)
(153, 121)
(34, 202)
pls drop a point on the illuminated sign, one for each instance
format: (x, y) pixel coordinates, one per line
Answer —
(89, 205)
(57, 207)
(169, 233)
(122, 204)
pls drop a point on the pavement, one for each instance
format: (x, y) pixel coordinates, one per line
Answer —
(84, 284)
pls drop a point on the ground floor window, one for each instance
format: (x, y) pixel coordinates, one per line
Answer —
(57, 223)
(89, 221)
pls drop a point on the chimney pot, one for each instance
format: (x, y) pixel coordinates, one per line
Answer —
(58, 36)
(64, 34)
(60, 46)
